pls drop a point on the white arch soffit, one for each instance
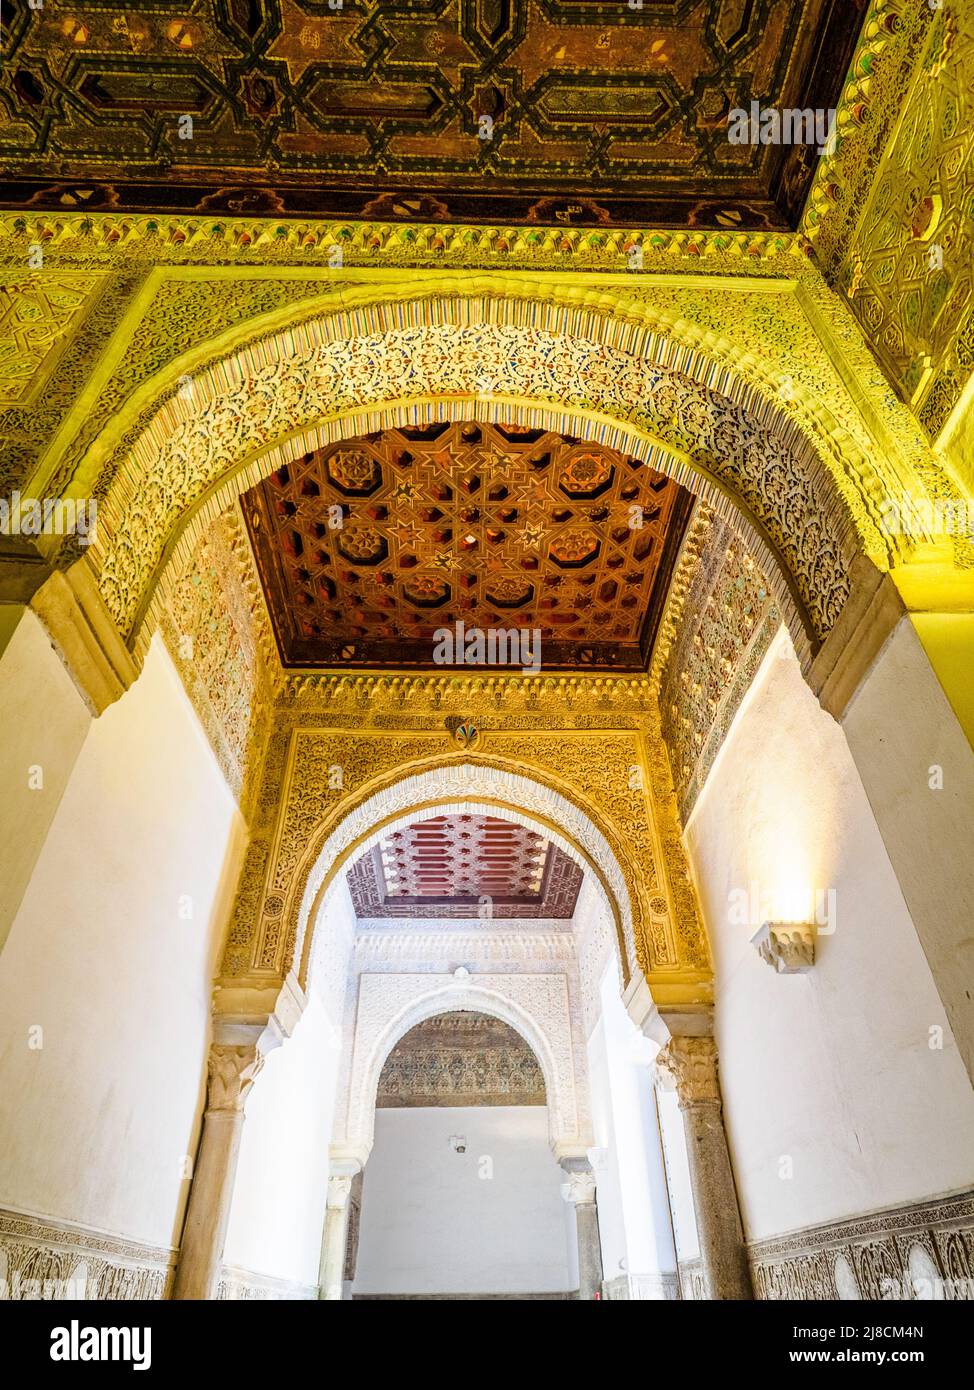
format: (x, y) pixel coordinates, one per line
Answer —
(460, 788)
(473, 998)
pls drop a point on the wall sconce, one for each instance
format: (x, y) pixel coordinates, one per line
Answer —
(788, 947)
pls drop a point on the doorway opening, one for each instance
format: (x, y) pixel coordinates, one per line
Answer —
(462, 1195)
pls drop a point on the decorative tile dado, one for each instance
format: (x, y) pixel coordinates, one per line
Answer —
(644, 1287)
(692, 1284)
(245, 1285)
(45, 1259)
(924, 1251)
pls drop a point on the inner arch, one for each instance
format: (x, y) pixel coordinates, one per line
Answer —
(478, 789)
(311, 385)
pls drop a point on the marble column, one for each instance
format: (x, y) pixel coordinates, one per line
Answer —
(353, 1226)
(231, 1072)
(692, 1063)
(579, 1189)
(331, 1267)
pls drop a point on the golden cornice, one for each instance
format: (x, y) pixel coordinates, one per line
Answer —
(457, 693)
(122, 239)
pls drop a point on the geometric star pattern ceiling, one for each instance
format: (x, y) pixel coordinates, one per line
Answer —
(480, 110)
(368, 547)
(465, 865)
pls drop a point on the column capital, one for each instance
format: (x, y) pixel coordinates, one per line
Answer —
(341, 1174)
(692, 1063)
(84, 635)
(580, 1185)
(339, 1187)
(231, 1071)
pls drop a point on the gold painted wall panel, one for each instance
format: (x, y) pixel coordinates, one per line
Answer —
(890, 212)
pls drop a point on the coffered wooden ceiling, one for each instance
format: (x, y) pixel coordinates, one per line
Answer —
(450, 865)
(493, 526)
(596, 111)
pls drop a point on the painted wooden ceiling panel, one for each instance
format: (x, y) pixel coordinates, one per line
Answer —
(462, 110)
(368, 548)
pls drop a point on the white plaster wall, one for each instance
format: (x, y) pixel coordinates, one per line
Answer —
(642, 1179)
(278, 1209)
(830, 1074)
(634, 1216)
(612, 1229)
(95, 1126)
(430, 1224)
(901, 729)
(684, 1221)
(43, 722)
(282, 1176)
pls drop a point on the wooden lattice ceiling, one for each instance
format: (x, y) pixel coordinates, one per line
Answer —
(490, 525)
(597, 112)
(464, 866)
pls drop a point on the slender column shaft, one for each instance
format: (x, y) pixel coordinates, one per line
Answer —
(692, 1062)
(331, 1267)
(580, 1191)
(231, 1074)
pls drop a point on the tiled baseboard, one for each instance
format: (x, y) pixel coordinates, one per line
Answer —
(921, 1251)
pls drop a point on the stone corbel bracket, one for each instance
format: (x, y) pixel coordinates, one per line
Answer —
(788, 947)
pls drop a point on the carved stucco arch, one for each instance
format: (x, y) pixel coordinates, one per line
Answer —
(375, 1037)
(610, 887)
(581, 370)
(488, 786)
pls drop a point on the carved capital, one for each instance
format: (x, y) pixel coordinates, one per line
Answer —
(692, 1063)
(788, 947)
(339, 1186)
(869, 616)
(231, 1073)
(84, 634)
(580, 1184)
